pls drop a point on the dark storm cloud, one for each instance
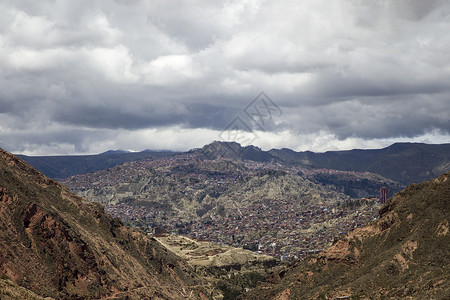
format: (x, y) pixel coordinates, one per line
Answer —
(81, 72)
(395, 119)
(203, 115)
(195, 115)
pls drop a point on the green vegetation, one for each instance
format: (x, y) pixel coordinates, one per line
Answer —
(236, 285)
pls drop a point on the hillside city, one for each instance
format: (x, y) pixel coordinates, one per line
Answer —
(280, 227)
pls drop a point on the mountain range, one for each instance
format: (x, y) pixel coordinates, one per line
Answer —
(405, 163)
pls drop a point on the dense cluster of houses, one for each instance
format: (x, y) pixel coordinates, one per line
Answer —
(281, 229)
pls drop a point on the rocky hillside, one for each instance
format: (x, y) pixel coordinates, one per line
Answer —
(56, 244)
(186, 187)
(11, 291)
(405, 254)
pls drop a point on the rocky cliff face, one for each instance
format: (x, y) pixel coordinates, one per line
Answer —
(404, 254)
(57, 244)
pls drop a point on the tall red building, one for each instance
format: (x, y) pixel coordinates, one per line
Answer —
(384, 193)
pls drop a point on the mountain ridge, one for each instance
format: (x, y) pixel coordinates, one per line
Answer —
(403, 162)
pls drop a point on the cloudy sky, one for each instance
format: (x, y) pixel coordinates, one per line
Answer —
(86, 76)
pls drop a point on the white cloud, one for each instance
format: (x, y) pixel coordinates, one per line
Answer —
(101, 25)
(32, 31)
(39, 60)
(345, 73)
(169, 70)
(112, 63)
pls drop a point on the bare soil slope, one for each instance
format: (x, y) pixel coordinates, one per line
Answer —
(57, 244)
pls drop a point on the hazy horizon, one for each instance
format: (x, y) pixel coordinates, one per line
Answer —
(183, 151)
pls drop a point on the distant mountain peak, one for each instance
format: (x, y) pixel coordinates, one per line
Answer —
(219, 149)
(158, 151)
(234, 151)
(116, 151)
(226, 143)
